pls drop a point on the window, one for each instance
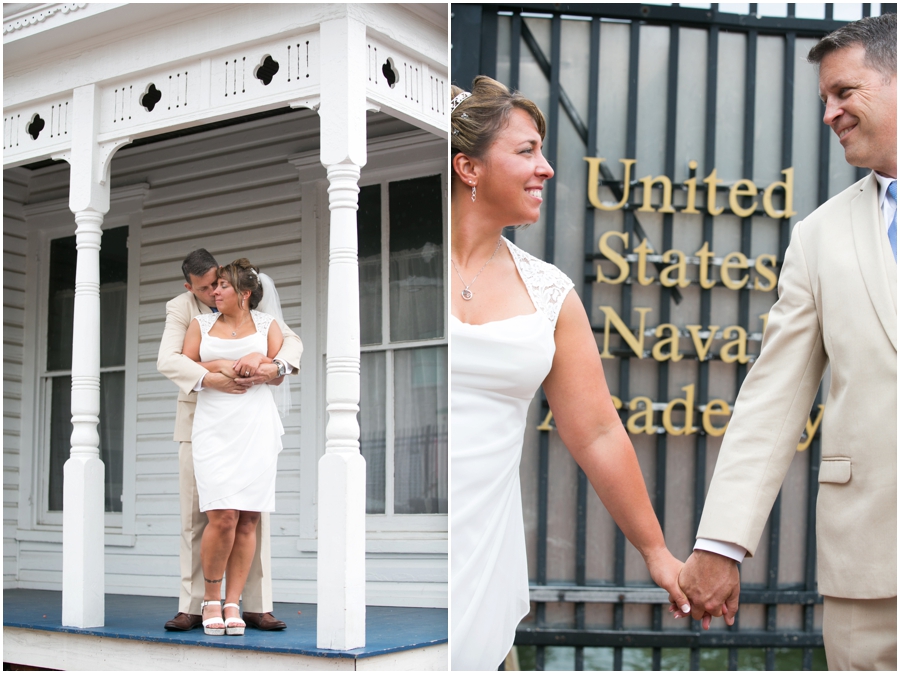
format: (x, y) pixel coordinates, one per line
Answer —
(403, 397)
(56, 379)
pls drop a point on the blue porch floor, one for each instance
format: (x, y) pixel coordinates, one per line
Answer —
(388, 630)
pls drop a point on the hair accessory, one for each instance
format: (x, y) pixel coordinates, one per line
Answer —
(464, 116)
(459, 98)
(455, 132)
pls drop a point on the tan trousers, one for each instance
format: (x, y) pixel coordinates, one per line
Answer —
(860, 634)
(257, 595)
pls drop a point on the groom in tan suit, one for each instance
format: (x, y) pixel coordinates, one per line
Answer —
(199, 270)
(837, 306)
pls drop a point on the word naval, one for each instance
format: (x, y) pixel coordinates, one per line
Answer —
(738, 189)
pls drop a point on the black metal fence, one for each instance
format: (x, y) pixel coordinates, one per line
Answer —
(476, 48)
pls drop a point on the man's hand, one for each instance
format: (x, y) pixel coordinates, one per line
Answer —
(248, 366)
(712, 585)
(265, 373)
(220, 382)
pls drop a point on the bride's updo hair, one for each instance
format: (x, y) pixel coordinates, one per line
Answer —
(476, 121)
(243, 276)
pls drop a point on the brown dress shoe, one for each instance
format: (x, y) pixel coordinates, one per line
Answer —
(184, 622)
(263, 621)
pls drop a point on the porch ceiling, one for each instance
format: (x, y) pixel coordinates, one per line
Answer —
(164, 68)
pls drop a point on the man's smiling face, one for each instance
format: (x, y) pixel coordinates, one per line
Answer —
(861, 108)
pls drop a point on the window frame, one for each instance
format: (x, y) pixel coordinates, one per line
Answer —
(47, 222)
(390, 521)
(403, 156)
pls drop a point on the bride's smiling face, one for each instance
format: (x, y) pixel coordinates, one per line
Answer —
(515, 170)
(228, 300)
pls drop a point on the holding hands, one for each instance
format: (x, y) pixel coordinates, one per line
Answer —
(712, 585)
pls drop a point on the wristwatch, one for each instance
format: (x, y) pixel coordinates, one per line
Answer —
(282, 370)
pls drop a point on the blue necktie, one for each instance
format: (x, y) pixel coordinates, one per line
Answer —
(892, 230)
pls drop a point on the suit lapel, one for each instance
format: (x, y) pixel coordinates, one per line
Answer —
(879, 271)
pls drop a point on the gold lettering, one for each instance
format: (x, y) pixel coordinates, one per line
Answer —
(765, 320)
(545, 426)
(740, 343)
(648, 193)
(701, 346)
(728, 265)
(688, 403)
(692, 190)
(742, 188)
(646, 415)
(788, 186)
(711, 183)
(617, 402)
(636, 341)
(614, 257)
(764, 271)
(705, 255)
(680, 266)
(715, 408)
(671, 340)
(812, 425)
(594, 183)
(642, 251)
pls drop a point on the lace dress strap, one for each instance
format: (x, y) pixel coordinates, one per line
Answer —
(262, 322)
(547, 286)
(206, 321)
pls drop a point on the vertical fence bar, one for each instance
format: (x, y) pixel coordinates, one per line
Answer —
(489, 21)
(665, 307)
(515, 56)
(625, 362)
(587, 301)
(709, 159)
(551, 146)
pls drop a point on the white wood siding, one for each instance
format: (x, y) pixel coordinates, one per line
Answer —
(234, 192)
(15, 244)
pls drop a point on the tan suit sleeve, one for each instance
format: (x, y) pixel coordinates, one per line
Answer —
(770, 412)
(291, 349)
(180, 369)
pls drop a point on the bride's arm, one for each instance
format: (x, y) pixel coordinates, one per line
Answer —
(590, 427)
(275, 341)
(191, 349)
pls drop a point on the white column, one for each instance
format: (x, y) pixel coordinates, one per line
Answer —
(341, 573)
(83, 483)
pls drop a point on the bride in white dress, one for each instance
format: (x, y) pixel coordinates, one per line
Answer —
(515, 325)
(236, 439)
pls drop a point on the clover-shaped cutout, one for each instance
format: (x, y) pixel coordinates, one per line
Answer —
(390, 72)
(151, 97)
(35, 126)
(266, 70)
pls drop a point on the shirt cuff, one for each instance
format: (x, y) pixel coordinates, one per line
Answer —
(731, 550)
(199, 385)
(287, 368)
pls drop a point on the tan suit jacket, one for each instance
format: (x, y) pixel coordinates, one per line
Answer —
(184, 372)
(837, 305)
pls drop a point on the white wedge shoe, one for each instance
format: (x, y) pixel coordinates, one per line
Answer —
(234, 627)
(213, 631)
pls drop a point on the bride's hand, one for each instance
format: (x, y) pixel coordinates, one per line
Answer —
(664, 569)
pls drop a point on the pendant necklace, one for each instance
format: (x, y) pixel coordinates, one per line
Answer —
(466, 293)
(234, 332)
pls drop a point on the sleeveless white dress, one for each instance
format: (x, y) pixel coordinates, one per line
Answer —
(496, 368)
(236, 438)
